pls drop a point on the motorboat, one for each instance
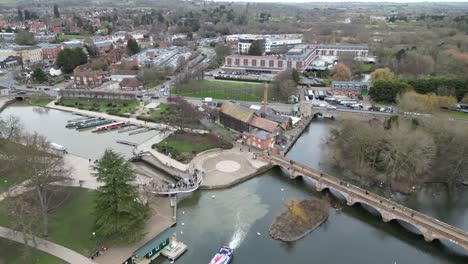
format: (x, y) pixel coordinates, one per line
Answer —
(223, 256)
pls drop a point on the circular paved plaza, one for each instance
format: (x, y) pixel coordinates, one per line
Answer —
(223, 168)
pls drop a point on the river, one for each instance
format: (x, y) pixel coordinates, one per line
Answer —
(241, 216)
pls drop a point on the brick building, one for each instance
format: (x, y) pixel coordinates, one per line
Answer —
(50, 51)
(85, 76)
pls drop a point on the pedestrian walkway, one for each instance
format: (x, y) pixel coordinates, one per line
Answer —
(146, 147)
(132, 120)
(46, 246)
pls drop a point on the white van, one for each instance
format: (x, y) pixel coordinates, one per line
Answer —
(207, 99)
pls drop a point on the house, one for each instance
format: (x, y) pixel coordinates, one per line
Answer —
(257, 122)
(235, 116)
(86, 93)
(49, 50)
(85, 76)
(350, 88)
(131, 84)
(260, 139)
(29, 54)
(3, 91)
(104, 46)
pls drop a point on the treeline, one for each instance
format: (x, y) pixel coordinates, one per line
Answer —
(388, 90)
(401, 152)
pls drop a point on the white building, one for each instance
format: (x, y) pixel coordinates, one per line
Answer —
(3, 91)
(270, 43)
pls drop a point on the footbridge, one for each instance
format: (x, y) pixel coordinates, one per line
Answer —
(427, 226)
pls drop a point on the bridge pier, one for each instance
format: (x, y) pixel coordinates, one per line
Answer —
(319, 186)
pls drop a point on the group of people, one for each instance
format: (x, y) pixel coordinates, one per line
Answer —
(183, 184)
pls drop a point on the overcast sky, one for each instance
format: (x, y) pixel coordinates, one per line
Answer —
(374, 1)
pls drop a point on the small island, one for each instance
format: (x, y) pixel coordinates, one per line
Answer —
(299, 219)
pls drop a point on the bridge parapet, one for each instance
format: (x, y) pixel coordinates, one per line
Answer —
(429, 227)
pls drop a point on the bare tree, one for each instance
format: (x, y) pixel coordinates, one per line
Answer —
(42, 170)
(10, 128)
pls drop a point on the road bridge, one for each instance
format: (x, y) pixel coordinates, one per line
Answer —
(427, 226)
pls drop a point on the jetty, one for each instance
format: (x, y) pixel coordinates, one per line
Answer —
(140, 131)
(110, 126)
(126, 142)
(93, 123)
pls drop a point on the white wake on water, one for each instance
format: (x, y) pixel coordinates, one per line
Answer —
(239, 233)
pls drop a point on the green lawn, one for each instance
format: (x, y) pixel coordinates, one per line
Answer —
(224, 90)
(8, 2)
(71, 224)
(365, 68)
(8, 175)
(65, 37)
(161, 109)
(12, 254)
(153, 84)
(183, 146)
(41, 101)
(455, 114)
(113, 107)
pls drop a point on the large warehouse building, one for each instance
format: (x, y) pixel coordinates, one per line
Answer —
(299, 58)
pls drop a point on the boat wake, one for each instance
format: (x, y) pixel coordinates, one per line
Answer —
(239, 233)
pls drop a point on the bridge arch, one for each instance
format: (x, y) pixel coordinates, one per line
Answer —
(454, 247)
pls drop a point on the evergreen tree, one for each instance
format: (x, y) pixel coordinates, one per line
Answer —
(295, 76)
(20, 15)
(132, 47)
(39, 75)
(56, 11)
(255, 49)
(120, 216)
(68, 59)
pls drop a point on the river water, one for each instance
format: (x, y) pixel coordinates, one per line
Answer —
(241, 216)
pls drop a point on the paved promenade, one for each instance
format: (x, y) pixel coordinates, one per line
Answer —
(163, 159)
(51, 248)
(225, 168)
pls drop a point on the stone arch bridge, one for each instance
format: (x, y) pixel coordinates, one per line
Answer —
(427, 226)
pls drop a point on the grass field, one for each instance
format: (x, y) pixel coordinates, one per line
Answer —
(113, 107)
(183, 146)
(153, 84)
(9, 176)
(455, 114)
(41, 101)
(12, 253)
(224, 90)
(161, 109)
(8, 2)
(65, 37)
(71, 223)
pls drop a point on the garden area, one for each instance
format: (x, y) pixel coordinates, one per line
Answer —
(224, 90)
(184, 146)
(70, 225)
(179, 113)
(41, 100)
(112, 107)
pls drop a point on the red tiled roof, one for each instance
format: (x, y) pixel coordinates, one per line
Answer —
(263, 124)
(131, 82)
